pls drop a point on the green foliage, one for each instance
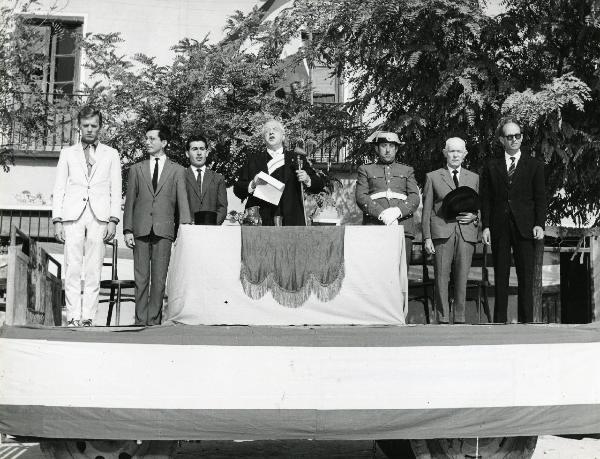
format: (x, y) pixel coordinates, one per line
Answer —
(555, 53)
(431, 69)
(427, 69)
(24, 104)
(414, 65)
(225, 91)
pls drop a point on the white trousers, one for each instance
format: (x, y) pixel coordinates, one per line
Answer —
(84, 253)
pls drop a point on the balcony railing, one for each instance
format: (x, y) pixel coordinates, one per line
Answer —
(330, 150)
(34, 221)
(45, 123)
(40, 122)
(335, 147)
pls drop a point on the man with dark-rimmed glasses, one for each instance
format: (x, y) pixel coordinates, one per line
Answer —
(513, 213)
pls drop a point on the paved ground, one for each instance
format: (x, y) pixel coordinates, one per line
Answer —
(549, 447)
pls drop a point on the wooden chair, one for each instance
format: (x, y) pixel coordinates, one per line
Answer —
(419, 289)
(477, 290)
(115, 285)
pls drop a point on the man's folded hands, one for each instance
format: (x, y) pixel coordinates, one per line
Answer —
(390, 215)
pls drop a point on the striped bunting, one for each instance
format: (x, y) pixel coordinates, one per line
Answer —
(195, 382)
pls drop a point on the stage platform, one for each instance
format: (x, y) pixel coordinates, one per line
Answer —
(321, 382)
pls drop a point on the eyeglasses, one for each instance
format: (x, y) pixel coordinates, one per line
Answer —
(511, 137)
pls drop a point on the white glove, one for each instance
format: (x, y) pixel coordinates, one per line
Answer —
(385, 216)
(390, 215)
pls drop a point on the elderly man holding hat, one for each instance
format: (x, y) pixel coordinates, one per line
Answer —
(449, 231)
(386, 191)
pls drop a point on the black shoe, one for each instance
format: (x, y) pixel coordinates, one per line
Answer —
(86, 323)
(73, 323)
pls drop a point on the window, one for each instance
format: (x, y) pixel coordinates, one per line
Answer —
(52, 75)
(57, 44)
(326, 88)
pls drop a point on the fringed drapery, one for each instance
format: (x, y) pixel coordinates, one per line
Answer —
(292, 263)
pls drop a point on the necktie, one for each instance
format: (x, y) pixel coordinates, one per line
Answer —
(455, 177)
(155, 175)
(89, 151)
(199, 179)
(511, 169)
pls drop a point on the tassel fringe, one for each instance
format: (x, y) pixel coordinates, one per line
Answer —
(288, 298)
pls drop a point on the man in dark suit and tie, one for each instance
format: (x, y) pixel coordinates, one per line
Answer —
(513, 213)
(281, 165)
(206, 191)
(451, 240)
(155, 194)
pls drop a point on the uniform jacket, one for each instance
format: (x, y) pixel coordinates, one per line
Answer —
(437, 185)
(525, 197)
(290, 205)
(213, 196)
(74, 188)
(146, 210)
(396, 177)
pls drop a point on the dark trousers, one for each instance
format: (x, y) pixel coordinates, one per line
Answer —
(505, 236)
(452, 255)
(151, 255)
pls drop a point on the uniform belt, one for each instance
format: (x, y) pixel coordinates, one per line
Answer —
(389, 195)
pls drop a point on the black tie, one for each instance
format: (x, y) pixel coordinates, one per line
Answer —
(511, 169)
(455, 177)
(199, 179)
(155, 175)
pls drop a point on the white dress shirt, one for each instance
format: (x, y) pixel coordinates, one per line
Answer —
(274, 153)
(200, 170)
(507, 157)
(161, 163)
(451, 170)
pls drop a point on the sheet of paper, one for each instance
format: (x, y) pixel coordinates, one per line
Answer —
(268, 188)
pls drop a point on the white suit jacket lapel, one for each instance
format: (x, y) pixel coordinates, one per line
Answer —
(80, 159)
(99, 157)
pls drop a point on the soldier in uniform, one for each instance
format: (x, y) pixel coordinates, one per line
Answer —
(387, 191)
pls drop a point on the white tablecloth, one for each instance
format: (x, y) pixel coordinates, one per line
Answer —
(204, 282)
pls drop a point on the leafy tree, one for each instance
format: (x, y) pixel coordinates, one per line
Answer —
(433, 69)
(225, 90)
(552, 49)
(24, 104)
(428, 69)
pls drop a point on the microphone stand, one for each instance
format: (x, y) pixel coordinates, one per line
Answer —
(299, 154)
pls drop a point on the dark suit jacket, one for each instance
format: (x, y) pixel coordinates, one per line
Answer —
(525, 198)
(146, 210)
(290, 205)
(213, 196)
(437, 185)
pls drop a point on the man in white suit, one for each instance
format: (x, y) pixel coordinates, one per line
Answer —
(85, 209)
(451, 240)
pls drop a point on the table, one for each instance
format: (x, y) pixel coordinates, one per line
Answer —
(204, 282)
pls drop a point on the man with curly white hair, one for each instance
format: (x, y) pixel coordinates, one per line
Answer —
(282, 165)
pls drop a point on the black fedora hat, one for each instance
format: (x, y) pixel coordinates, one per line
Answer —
(461, 199)
(205, 217)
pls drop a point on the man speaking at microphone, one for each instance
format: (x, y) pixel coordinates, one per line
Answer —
(283, 166)
(386, 191)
